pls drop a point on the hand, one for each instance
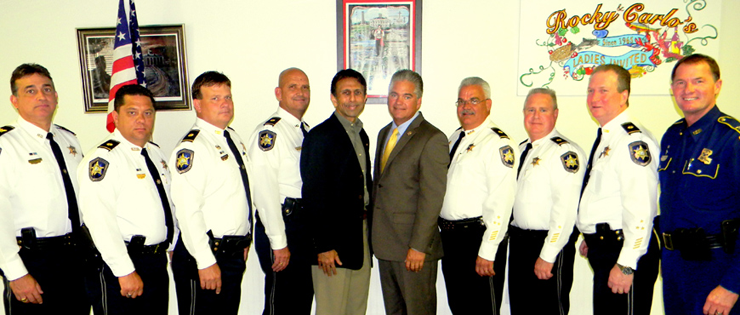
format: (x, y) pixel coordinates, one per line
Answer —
(131, 285)
(27, 290)
(484, 267)
(720, 301)
(619, 282)
(210, 278)
(583, 249)
(327, 261)
(542, 269)
(282, 258)
(415, 260)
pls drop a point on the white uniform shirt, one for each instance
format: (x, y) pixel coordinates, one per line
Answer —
(275, 150)
(548, 190)
(481, 181)
(207, 189)
(119, 199)
(622, 190)
(32, 191)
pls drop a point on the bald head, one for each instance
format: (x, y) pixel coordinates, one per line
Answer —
(293, 91)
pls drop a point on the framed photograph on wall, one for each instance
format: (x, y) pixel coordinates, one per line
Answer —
(165, 65)
(378, 38)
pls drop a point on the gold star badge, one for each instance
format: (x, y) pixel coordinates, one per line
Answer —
(571, 162)
(182, 161)
(97, 169)
(509, 156)
(72, 150)
(266, 141)
(605, 152)
(536, 161)
(470, 147)
(640, 153)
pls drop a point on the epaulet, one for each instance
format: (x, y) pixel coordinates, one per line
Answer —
(272, 121)
(523, 142)
(630, 128)
(730, 121)
(109, 145)
(154, 144)
(191, 135)
(65, 129)
(5, 129)
(500, 133)
(559, 141)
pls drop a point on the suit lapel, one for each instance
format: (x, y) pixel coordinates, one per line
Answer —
(379, 149)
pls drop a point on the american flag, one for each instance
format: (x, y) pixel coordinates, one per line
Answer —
(128, 65)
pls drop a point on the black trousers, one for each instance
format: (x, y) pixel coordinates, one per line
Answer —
(467, 292)
(59, 272)
(527, 293)
(603, 252)
(191, 299)
(106, 290)
(289, 291)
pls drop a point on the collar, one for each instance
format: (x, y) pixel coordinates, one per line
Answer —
(703, 123)
(486, 124)
(33, 130)
(208, 127)
(288, 117)
(125, 144)
(348, 125)
(553, 133)
(615, 124)
(402, 128)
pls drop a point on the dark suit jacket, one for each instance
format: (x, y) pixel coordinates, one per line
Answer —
(333, 191)
(408, 195)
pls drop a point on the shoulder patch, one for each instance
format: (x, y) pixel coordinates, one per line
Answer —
(109, 145)
(266, 140)
(184, 161)
(500, 133)
(5, 129)
(507, 156)
(630, 128)
(559, 141)
(570, 161)
(272, 121)
(523, 142)
(191, 135)
(65, 129)
(154, 144)
(98, 168)
(640, 153)
(731, 122)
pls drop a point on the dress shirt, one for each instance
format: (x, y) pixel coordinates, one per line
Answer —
(548, 190)
(119, 199)
(31, 188)
(622, 190)
(208, 190)
(353, 131)
(275, 151)
(481, 181)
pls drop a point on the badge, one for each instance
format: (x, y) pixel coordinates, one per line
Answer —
(98, 168)
(639, 153)
(266, 140)
(704, 156)
(470, 147)
(184, 160)
(570, 161)
(507, 156)
(72, 150)
(164, 164)
(605, 152)
(535, 161)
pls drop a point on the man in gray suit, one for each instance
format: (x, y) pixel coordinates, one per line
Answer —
(410, 177)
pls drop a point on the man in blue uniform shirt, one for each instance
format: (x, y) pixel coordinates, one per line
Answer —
(701, 264)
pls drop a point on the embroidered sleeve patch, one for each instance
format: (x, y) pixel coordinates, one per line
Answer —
(266, 140)
(570, 161)
(184, 160)
(640, 153)
(507, 156)
(98, 168)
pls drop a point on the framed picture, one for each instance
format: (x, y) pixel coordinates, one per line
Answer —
(378, 38)
(165, 66)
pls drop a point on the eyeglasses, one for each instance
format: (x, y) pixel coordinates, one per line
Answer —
(472, 101)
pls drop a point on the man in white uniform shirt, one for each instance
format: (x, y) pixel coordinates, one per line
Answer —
(619, 200)
(549, 179)
(481, 182)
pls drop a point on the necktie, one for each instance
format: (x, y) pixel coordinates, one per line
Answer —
(457, 144)
(524, 157)
(72, 211)
(162, 196)
(243, 172)
(591, 161)
(304, 126)
(389, 148)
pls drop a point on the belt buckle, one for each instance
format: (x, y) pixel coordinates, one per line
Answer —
(667, 241)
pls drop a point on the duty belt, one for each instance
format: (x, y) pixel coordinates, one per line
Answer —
(604, 232)
(291, 205)
(696, 239)
(229, 244)
(470, 223)
(136, 246)
(30, 242)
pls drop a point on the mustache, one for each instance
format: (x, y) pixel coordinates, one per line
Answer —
(468, 112)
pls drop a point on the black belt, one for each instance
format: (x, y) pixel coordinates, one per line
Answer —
(155, 249)
(519, 232)
(229, 244)
(46, 243)
(469, 223)
(604, 232)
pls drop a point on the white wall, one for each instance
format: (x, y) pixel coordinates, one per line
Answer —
(252, 41)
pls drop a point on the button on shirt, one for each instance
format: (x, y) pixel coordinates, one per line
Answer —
(623, 187)
(481, 181)
(31, 188)
(208, 190)
(119, 199)
(353, 131)
(276, 171)
(548, 190)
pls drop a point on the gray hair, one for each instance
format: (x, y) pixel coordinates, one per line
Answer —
(476, 81)
(411, 76)
(545, 91)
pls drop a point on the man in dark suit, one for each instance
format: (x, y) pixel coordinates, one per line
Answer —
(410, 178)
(336, 184)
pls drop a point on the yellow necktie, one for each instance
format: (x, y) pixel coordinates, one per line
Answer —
(389, 148)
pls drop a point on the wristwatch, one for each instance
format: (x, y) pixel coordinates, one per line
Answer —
(626, 270)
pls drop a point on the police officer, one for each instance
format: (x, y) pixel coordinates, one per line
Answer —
(211, 191)
(549, 182)
(38, 204)
(473, 222)
(124, 198)
(282, 235)
(618, 201)
(701, 263)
